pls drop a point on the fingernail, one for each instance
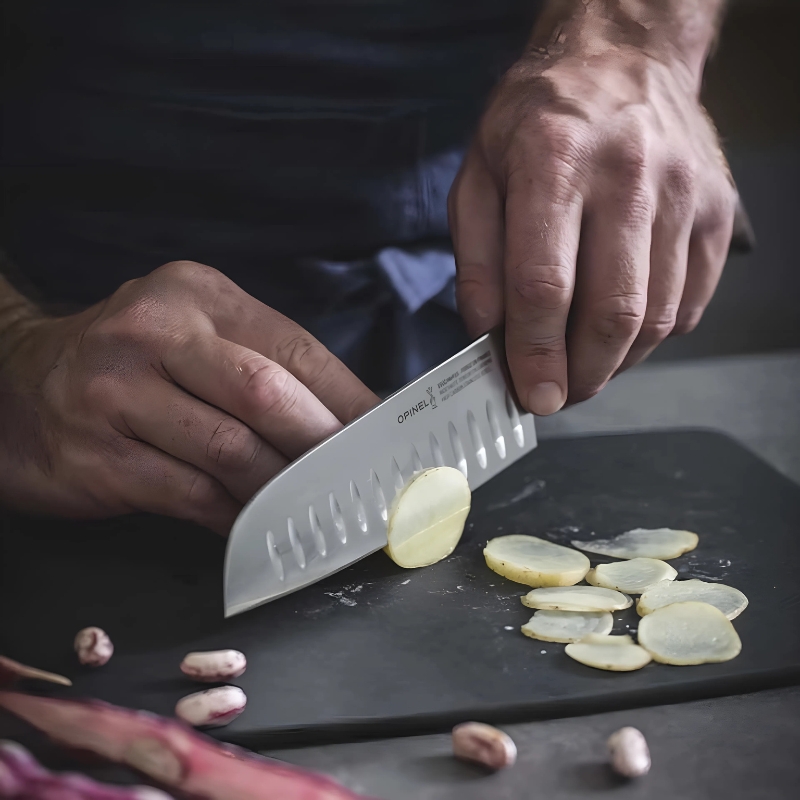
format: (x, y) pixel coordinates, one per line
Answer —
(545, 398)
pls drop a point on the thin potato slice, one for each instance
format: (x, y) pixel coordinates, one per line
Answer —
(534, 561)
(613, 653)
(731, 602)
(427, 518)
(689, 633)
(643, 543)
(567, 626)
(576, 598)
(631, 577)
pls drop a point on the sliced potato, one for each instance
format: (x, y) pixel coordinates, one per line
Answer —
(567, 626)
(576, 598)
(633, 576)
(643, 543)
(427, 517)
(614, 653)
(689, 633)
(534, 561)
(731, 602)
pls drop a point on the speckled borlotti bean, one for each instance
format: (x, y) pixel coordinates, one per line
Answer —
(93, 646)
(629, 753)
(483, 744)
(212, 708)
(215, 665)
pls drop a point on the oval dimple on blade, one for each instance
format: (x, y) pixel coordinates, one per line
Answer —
(274, 556)
(377, 491)
(297, 547)
(316, 532)
(436, 451)
(458, 449)
(361, 513)
(338, 519)
(477, 440)
(497, 433)
(416, 461)
(514, 418)
(397, 477)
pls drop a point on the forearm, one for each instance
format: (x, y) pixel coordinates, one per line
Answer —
(673, 31)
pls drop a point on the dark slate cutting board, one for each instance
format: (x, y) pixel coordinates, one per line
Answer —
(377, 650)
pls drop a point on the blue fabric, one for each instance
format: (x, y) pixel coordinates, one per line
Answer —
(417, 277)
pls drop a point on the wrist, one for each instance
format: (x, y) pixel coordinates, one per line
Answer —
(678, 33)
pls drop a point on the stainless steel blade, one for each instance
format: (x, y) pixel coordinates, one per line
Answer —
(330, 508)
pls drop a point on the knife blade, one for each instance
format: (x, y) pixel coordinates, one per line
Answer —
(330, 507)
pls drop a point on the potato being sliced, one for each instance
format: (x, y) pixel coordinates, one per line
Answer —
(731, 602)
(631, 577)
(689, 633)
(534, 561)
(614, 653)
(576, 598)
(427, 517)
(643, 543)
(567, 626)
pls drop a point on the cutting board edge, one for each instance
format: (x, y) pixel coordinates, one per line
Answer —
(423, 724)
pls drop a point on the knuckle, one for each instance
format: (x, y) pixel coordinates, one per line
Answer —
(687, 320)
(716, 212)
(306, 358)
(628, 158)
(633, 164)
(182, 269)
(201, 491)
(232, 446)
(477, 283)
(546, 350)
(200, 277)
(679, 182)
(657, 325)
(546, 287)
(725, 207)
(268, 389)
(633, 189)
(620, 320)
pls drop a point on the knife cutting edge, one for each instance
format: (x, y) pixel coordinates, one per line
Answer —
(330, 507)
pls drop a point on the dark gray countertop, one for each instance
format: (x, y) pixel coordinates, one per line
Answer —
(733, 747)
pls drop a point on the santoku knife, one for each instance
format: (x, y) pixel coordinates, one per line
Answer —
(330, 507)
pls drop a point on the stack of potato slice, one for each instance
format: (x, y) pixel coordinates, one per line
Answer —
(683, 622)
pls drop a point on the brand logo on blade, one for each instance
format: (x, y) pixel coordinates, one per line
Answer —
(421, 406)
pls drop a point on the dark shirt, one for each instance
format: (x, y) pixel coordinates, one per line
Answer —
(285, 142)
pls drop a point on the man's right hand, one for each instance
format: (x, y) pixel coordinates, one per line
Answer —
(179, 395)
